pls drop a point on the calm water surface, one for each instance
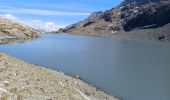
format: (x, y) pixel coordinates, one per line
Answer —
(128, 69)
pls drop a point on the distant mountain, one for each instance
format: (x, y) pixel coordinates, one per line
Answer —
(10, 30)
(130, 15)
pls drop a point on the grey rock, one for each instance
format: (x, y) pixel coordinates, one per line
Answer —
(137, 2)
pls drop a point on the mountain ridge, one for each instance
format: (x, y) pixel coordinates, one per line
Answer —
(137, 2)
(130, 15)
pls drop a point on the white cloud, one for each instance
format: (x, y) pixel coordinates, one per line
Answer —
(43, 12)
(66, 6)
(10, 16)
(43, 25)
(50, 26)
(2, 7)
(36, 24)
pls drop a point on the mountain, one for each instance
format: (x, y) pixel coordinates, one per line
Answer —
(11, 30)
(138, 2)
(129, 16)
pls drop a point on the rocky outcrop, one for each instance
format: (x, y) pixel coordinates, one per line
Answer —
(137, 2)
(155, 15)
(152, 34)
(23, 81)
(96, 23)
(95, 15)
(130, 15)
(10, 30)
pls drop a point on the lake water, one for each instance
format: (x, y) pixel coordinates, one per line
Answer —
(128, 69)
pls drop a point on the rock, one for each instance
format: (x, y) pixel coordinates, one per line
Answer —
(6, 83)
(137, 2)
(113, 28)
(88, 23)
(107, 16)
(94, 16)
(1, 69)
(4, 97)
(2, 90)
(19, 97)
(13, 30)
(158, 14)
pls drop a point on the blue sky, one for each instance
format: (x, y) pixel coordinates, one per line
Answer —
(57, 13)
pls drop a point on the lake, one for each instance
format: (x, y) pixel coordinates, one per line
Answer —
(132, 70)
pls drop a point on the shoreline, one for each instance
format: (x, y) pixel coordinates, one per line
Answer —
(115, 38)
(11, 40)
(23, 81)
(160, 34)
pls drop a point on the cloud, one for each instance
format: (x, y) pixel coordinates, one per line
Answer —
(50, 26)
(42, 12)
(5, 7)
(43, 25)
(66, 6)
(36, 24)
(10, 16)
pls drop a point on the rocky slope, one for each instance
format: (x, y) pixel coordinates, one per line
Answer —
(23, 81)
(137, 2)
(156, 34)
(129, 16)
(10, 30)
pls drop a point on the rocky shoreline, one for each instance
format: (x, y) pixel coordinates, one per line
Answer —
(161, 34)
(22, 81)
(8, 40)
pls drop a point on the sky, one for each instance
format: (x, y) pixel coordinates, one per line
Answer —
(50, 15)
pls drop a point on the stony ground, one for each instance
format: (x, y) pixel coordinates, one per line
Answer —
(22, 81)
